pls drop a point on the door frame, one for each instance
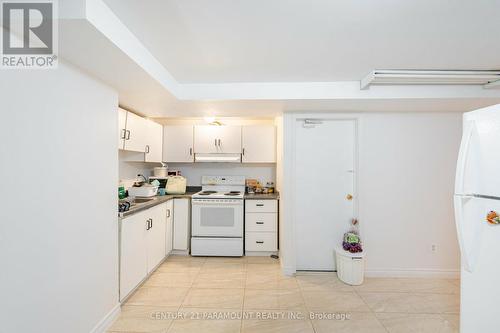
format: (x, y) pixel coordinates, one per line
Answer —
(288, 250)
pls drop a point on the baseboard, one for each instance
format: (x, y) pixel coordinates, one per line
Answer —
(180, 252)
(105, 323)
(260, 253)
(422, 273)
(288, 271)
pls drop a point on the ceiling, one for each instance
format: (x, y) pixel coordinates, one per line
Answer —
(223, 41)
(257, 58)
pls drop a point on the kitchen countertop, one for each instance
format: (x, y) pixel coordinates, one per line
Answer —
(159, 199)
(268, 196)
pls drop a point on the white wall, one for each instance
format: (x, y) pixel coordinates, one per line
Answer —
(405, 183)
(194, 171)
(406, 180)
(130, 170)
(58, 216)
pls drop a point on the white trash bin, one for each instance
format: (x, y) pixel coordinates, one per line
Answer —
(350, 266)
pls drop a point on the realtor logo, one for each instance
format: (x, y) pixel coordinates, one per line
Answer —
(28, 34)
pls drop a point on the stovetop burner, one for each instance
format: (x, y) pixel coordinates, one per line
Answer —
(207, 192)
(233, 193)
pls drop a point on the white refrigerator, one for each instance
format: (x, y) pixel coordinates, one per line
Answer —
(477, 206)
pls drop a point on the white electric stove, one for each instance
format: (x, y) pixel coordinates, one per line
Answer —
(217, 217)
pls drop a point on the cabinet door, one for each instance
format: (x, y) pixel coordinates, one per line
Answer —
(182, 224)
(205, 139)
(122, 121)
(133, 257)
(136, 133)
(229, 139)
(156, 235)
(178, 144)
(169, 227)
(154, 142)
(259, 144)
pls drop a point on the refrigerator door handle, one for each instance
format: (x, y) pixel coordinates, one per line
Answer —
(462, 158)
(459, 222)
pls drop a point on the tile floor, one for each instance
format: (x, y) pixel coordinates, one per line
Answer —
(192, 294)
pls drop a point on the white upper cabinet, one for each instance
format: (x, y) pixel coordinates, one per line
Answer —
(217, 139)
(259, 144)
(178, 144)
(229, 140)
(205, 139)
(136, 133)
(141, 135)
(154, 140)
(122, 131)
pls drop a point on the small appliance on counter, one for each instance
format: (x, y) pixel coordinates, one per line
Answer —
(146, 190)
(161, 171)
(161, 180)
(176, 185)
(173, 173)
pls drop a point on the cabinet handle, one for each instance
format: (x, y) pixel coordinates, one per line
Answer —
(147, 149)
(191, 151)
(259, 222)
(215, 142)
(243, 152)
(151, 224)
(124, 134)
(148, 225)
(128, 135)
(219, 142)
(168, 212)
(259, 242)
(259, 205)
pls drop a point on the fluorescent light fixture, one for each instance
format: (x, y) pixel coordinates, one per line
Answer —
(227, 158)
(429, 77)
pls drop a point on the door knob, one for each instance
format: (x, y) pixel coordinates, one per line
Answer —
(349, 197)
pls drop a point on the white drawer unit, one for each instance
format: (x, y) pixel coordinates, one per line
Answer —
(261, 222)
(260, 241)
(261, 206)
(261, 227)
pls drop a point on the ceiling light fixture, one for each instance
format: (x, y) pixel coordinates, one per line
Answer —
(213, 121)
(488, 79)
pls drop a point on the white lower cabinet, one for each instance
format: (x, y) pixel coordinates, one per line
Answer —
(156, 235)
(142, 246)
(261, 241)
(182, 224)
(261, 226)
(169, 241)
(133, 257)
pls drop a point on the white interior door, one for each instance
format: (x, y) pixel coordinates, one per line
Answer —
(324, 180)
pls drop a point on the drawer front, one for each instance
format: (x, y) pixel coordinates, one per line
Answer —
(261, 222)
(261, 206)
(260, 241)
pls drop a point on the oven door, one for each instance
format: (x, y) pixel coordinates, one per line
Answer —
(217, 218)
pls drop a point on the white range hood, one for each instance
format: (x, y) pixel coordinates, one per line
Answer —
(221, 158)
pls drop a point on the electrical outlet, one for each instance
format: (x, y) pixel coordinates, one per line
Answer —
(433, 247)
